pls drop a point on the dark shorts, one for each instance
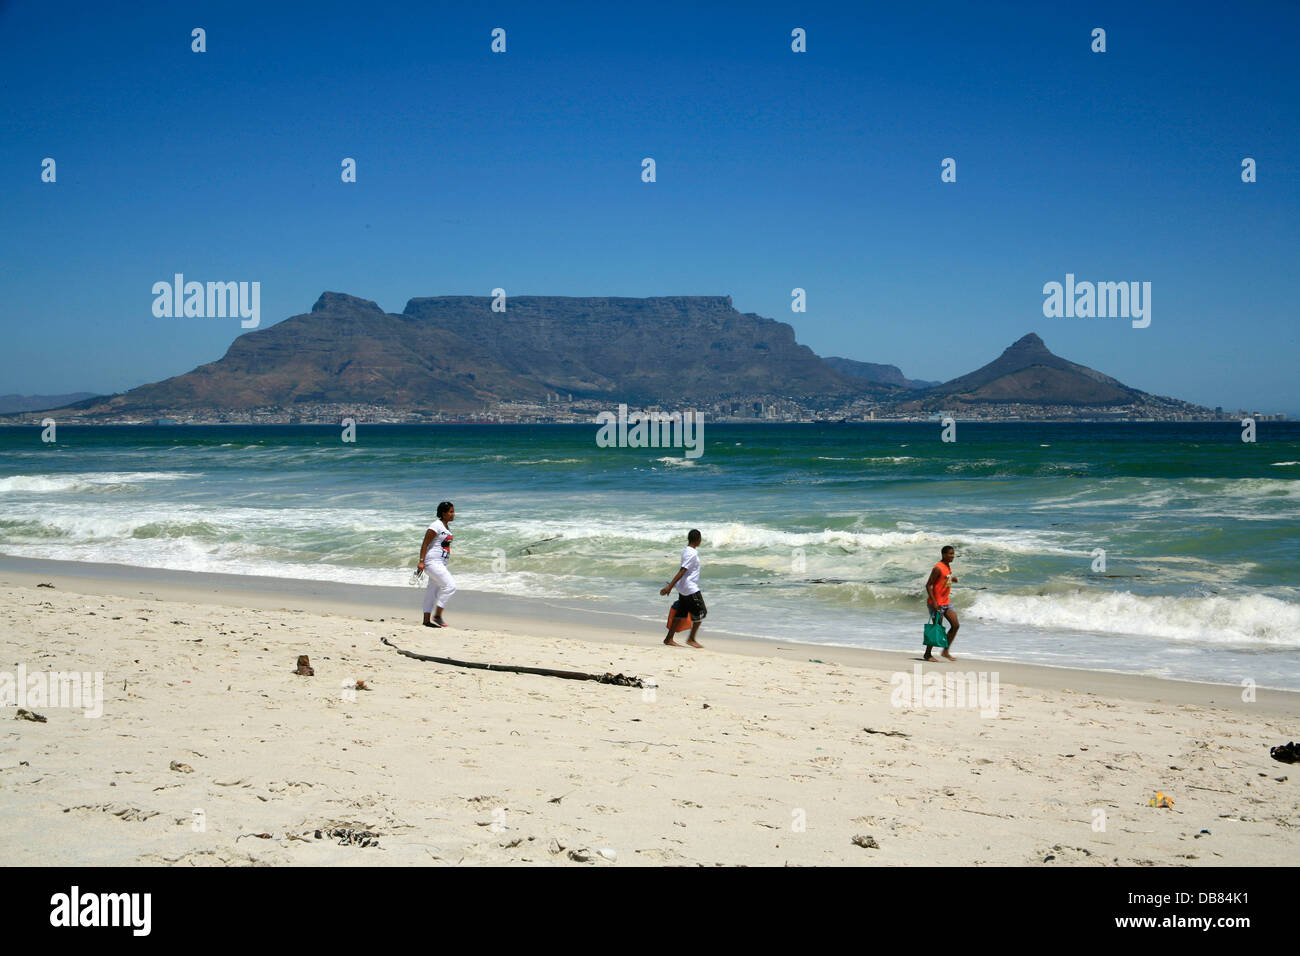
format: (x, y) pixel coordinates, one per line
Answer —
(692, 604)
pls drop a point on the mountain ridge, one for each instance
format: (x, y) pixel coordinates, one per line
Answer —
(34, 403)
(876, 372)
(453, 356)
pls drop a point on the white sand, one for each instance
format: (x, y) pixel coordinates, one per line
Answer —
(739, 744)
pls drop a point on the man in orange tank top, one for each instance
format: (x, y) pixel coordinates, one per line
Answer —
(938, 597)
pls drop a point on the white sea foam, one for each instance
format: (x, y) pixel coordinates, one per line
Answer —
(189, 555)
(87, 481)
(1248, 487)
(1255, 620)
(739, 536)
(1157, 494)
(106, 522)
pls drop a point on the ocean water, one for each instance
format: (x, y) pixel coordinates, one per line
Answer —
(817, 533)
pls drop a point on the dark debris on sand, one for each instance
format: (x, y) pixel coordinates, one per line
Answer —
(346, 836)
(1286, 753)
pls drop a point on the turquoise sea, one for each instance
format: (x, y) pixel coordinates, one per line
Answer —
(817, 533)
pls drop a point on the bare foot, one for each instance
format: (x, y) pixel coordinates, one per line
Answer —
(693, 643)
(670, 642)
(946, 656)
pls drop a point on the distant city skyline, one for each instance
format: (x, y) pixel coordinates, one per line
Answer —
(775, 170)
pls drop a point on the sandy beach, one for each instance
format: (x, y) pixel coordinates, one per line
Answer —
(211, 751)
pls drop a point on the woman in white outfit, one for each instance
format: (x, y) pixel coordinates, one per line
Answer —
(437, 549)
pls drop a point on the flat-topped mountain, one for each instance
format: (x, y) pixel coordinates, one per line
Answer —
(647, 350)
(453, 354)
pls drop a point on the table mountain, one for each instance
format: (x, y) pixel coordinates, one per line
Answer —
(454, 354)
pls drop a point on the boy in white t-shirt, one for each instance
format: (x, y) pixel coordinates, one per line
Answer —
(687, 581)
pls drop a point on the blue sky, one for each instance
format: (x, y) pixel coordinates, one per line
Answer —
(775, 170)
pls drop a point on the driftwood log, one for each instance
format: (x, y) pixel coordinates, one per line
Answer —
(618, 680)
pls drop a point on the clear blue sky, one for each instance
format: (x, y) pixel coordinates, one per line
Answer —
(775, 170)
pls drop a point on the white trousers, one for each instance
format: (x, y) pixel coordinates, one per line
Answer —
(440, 588)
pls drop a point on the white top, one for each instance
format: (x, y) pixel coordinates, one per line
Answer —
(689, 583)
(440, 546)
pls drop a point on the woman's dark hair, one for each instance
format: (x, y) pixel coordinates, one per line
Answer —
(444, 507)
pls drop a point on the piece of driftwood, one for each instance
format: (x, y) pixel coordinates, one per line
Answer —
(618, 680)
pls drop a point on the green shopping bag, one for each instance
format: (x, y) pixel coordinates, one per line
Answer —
(935, 635)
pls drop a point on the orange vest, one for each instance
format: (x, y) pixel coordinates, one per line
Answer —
(941, 587)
